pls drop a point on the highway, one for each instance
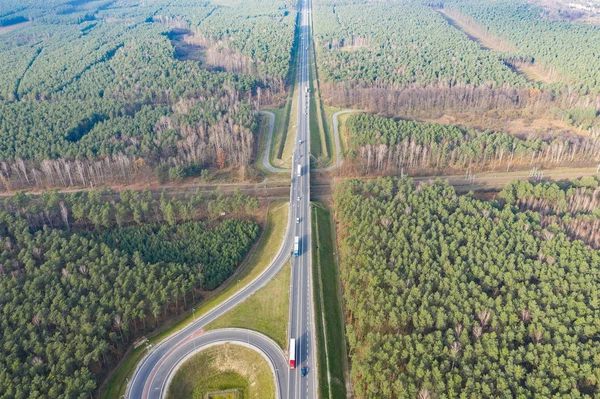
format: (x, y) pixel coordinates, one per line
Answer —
(150, 379)
(301, 326)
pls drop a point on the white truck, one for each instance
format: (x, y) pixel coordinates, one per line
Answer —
(299, 170)
(296, 246)
(292, 353)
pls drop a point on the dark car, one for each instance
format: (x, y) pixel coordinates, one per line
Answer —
(304, 371)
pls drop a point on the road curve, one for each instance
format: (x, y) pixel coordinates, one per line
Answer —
(336, 139)
(266, 162)
(144, 382)
(200, 341)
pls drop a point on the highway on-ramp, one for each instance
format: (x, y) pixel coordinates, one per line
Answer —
(199, 341)
(150, 379)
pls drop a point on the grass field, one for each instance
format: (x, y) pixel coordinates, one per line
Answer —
(329, 111)
(223, 372)
(321, 140)
(332, 351)
(279, 113)
(343, 131)
(258, 260)
(282, 120)
(263, 129)
(287, 140)
(266, 311)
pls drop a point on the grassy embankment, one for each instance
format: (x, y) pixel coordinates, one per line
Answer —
(321, 139)
(266, 311)
(257, 261)
(263, 134)
(330, 339)
(224, 371)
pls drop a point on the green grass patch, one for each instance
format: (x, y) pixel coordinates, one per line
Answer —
(317, 147)
(263, 131)
(266, 311)
(225, 371)
(321, 140)
(327, 291)
(279, 130)
(257, 261)
(341, 125)
(288, 140)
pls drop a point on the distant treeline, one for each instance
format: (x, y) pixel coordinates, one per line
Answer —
(406, 59)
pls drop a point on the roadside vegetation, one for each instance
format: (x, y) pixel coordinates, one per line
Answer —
(258, 260)
(322, 148)
(223, 371)
(266, 311)
(329, 322)
(449, 295)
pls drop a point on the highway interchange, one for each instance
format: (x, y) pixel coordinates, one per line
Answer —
(152, 375)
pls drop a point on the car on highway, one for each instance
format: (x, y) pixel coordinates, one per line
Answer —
(304, 371)
(297, 220)
(298, 198)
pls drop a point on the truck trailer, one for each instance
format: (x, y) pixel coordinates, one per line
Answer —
(292, 353)
(296, 246)
(299, 170)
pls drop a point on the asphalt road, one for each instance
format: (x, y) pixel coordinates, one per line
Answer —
(336, 138)
(301, 323)
(151, 377)
(197, 342)
(266, 163)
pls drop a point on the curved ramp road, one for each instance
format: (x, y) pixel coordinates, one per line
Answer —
(336, 139)
(145, 382)
(266, 163)
(150, 379)
(198, 341)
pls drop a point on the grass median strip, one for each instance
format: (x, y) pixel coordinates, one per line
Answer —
(224, 371)
(266, 311)
(258, 260)
(328, 316)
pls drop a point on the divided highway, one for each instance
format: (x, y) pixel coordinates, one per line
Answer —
(301, 326)
(151, 377)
